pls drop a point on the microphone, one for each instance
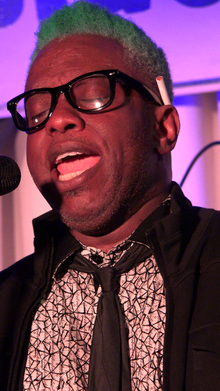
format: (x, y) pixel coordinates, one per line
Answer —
(10, 175)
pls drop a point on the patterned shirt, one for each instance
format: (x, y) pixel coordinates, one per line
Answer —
(61, 333)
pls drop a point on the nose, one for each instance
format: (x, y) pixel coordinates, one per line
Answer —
(64, 117)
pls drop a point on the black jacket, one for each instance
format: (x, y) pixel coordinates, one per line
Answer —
(186, 245)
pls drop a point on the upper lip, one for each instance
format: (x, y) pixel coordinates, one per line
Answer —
(58, 152)
(60, 158)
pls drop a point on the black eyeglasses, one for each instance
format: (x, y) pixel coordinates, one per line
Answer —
(89, 93)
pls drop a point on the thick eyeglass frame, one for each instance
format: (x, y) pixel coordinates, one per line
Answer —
(113, 76)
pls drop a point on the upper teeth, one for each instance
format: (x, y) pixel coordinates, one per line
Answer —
(61, 157)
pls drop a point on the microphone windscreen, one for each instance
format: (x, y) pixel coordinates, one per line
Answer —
(10, 175)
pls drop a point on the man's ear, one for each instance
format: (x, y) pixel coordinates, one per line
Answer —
(166, 129)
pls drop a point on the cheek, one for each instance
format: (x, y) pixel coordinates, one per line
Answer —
(136, 138)
(32, 152)
(139, 151)
(35, 158)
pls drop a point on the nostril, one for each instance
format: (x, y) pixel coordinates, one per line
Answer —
(70, 126)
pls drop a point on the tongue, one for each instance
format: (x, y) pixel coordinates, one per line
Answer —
(76, 164)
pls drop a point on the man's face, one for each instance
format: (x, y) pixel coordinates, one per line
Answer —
(95, 169)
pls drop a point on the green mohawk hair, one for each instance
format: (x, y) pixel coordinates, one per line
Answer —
(83, 17)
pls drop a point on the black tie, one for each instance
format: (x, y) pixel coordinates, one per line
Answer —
(109, 361)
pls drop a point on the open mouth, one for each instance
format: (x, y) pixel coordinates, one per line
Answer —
(72, 164)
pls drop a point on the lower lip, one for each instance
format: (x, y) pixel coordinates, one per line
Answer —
(73, 180)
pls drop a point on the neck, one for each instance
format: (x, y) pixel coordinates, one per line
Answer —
(107, 242)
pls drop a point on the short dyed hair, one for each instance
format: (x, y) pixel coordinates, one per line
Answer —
(82, 17)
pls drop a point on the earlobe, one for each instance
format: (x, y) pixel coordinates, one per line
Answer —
(166, 129)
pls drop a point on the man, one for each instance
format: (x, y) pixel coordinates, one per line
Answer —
(122, 291)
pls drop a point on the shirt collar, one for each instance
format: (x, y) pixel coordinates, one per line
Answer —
(66, 245)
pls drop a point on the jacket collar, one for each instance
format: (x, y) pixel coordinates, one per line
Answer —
(167, 220)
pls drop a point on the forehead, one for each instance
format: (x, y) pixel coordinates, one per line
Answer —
(64, 59)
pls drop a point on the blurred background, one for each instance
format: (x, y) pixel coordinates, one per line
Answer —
(189, 33)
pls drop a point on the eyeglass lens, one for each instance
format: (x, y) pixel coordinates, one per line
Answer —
(91, 93)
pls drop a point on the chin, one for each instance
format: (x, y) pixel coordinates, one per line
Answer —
(93, 224)
(99, 219)
(86, 227)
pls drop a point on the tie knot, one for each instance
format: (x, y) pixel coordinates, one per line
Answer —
(107, 278)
